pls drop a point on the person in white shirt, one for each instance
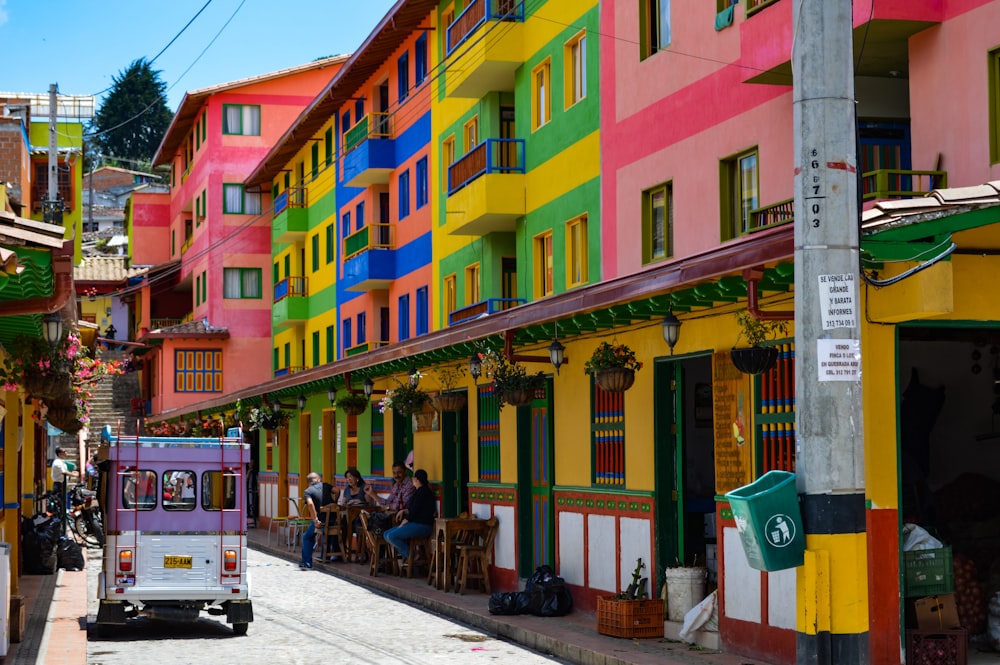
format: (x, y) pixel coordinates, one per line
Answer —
(60, 472)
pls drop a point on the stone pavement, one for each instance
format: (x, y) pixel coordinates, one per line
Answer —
(573, 638)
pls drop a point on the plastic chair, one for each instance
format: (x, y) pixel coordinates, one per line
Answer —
(292, 522)
(330, 514)
(474, 559)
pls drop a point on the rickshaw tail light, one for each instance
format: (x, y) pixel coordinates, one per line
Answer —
(229, 561)
(125, 561)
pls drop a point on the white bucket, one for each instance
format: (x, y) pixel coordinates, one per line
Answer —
(685, 589)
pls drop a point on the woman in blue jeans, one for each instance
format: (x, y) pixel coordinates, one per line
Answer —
(417, 519)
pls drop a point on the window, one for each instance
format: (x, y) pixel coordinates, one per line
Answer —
(421, 182)
(204, 126)
(543, 265)
(359, 216)
(447, 159)
(420, 60)
(241, 283)
(994, 92)
(345, 125)
(274, 359)
(423, 317)
(173, 242)
(329, 344)
(179, 491)
(472, 284)
(404, 194)
(345, 224)
(403, 313)
(139, 489)
(346, 334)
(403, 76)
(471, 133)
(654, 26)
(204, 286)
(238, 201)
(276, 272)
(450, 294)
(328, 146)
(218, 490)
(657, 222)
(576, 250)
(239, 119)
(607, 436)
(330, 240)
(362, 327)
(287, 349)
(739, 193)
(198, 371)
(541, 95)
(315, 348)
(197, 290)
(575, 60)
(315, 252)
(315, 159)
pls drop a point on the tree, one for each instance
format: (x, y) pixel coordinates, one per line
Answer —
(134, 116)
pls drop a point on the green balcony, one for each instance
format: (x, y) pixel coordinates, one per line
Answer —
(291, 216)
(291, 303)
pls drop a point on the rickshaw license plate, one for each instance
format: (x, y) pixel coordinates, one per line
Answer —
(176, 561)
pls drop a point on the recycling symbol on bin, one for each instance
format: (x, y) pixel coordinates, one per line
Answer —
(779, 530)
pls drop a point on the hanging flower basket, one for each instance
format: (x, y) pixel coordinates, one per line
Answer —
(63, 414)
(754, 359)
(518, 396)
(47, 386)
(353, 404)
(450, 401)
(615, 379)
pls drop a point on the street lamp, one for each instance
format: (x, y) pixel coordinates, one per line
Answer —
(556, 354)
(301, 402)
(414, 377)
(475, 367)
(369, 386)
(331, 393)
(52, 328)
(671, 330)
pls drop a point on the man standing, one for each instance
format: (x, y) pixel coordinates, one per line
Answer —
(312, 500)
(399, 496)
(60, 472)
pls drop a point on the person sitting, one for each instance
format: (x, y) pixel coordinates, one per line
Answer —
(354, 495)
(417, 518)
(399, 496)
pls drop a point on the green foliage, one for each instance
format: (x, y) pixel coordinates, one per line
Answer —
(756, 331)
(265, 418)
(355, 401)
(404, 399)
(133, 117)
(508, 376)
(607, 355)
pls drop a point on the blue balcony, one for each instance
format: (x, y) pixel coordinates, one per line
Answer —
(370, 151)
(291, 303)
(370, 270)
(291, 216)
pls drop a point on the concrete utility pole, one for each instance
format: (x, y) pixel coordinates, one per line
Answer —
(52, 209)
(832, 616)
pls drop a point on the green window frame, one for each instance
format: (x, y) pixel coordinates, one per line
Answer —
(236, 200)
(315, 348)
(315, 252)
(739, 190)
(331, 239)
(242, 283)
(197, 290)
(204, 286)
(241, 119)
(658, 223)
(173, 242)
(198, 370)
(331, 347)
(328, 146)
(315, 159)
(204, 126)
(274, 359)
(993, 66)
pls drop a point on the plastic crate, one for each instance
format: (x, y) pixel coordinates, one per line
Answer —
(937, 647)
(629, 618)
(928, 572)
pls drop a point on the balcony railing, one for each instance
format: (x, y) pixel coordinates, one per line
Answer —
(776, 214)
(291, 287)
(370, 236)
(754, 6)
(187, 244)
(293, 369)
(475, 14)
(293, 197)
(901, 184)
(372, 126)
(490, 156)
(483, 308)
(157, 324)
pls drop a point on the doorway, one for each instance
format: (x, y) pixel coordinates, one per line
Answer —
(535, 453)
(455, 461)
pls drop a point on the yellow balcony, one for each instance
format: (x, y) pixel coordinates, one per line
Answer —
(486, 188)
(483, 56)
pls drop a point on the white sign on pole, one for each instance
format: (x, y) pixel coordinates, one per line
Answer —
(836, 300)
(338, 437)
(838, 359)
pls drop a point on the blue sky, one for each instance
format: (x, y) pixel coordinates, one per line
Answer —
(81, 44)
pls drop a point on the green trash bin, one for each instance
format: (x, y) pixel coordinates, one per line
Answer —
(769, 521)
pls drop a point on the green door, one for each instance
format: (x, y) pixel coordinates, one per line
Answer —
(535, 475)
(455, 461)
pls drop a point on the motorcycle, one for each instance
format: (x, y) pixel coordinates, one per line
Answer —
(85, 517)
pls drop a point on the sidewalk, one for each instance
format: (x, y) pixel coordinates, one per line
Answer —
(573, 637)
(56, 619)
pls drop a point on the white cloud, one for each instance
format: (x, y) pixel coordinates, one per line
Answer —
(3, 12)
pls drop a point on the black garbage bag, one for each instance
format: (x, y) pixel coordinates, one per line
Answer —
(38, 543)
(548, 595)
(511, 602)
(70, 555)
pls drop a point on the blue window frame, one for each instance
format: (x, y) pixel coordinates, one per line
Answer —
(403, 76)
(404, 194)
(347, 335)
(420, 60)
(359, 216)
(422, 313)
(403, 311)
(359, 110)
(345, 225)
(362, 327)
(421, 182)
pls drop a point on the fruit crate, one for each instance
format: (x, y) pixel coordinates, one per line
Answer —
(928, 572)
(629, 618)
(937, 647)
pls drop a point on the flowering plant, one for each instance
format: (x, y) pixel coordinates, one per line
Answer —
(609, 355)
(165, 428)
(404, 398)
(450, 377)
(508, 376)
(265, 418)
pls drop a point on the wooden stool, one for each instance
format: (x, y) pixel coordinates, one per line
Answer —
(330, 514)
(474, 559)
(420, 555)
(379, 551)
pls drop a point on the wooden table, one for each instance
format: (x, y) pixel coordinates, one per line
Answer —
(448, 531)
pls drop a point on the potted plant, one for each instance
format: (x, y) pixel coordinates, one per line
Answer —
(511, 382)
(613, 366)
(265, 418)
(756, 358)
(353, 404)
(450, 399)
(405, 399)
